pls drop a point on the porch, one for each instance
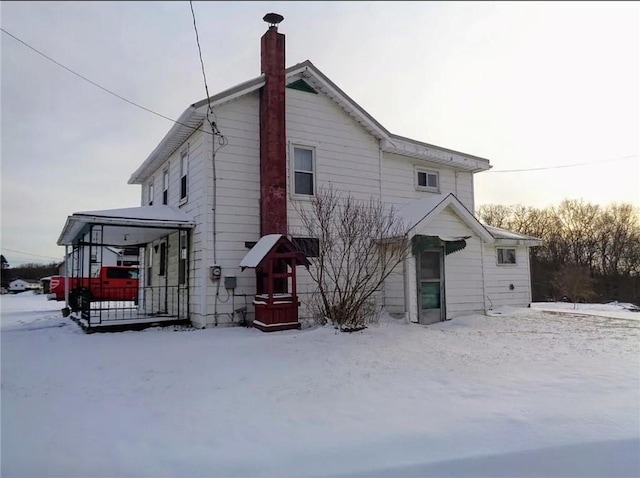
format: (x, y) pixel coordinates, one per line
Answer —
(147, 297)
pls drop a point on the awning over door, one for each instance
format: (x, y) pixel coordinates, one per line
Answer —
(126, 227)
(420, 243)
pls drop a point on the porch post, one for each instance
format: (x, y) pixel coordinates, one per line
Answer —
(66, 276)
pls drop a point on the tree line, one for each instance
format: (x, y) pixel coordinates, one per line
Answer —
(29, 272)
(589, 252)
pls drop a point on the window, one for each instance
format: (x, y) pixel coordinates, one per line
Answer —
(163, 259)
(165, 186)
(184, 170)
(427, 180)
(150, 196)
(182, 265)
(122, 273)
(310, 246)
(303, 171)
(149, 264)
(506, 256)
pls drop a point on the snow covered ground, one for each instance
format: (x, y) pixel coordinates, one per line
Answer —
(620, 310)
(521, 393)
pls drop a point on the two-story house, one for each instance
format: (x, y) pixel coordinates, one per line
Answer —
(238, 165)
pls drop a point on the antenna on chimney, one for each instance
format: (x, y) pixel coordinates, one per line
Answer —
(273, 19)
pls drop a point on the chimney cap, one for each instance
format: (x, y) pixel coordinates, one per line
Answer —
(273, 19)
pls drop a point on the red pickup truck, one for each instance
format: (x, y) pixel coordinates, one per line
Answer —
(110, 283)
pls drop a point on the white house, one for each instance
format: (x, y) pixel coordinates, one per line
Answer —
(20, 285)
(238, 165)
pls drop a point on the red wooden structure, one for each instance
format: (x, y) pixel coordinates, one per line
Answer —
(276, 303)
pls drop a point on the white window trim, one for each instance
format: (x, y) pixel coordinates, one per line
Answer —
(292, 175)
(151, 192)
(165, 185)
(507, 264)
(419, 169)
(184, 153)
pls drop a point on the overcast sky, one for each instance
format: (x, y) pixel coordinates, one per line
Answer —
(525, 85)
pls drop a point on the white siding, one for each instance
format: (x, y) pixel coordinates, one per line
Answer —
(499, 278)
(393, 299)
(398, 182)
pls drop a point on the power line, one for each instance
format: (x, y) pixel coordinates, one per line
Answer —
(213, 124)
(29, 254)
(562, 166)
(204, 75)
(100, 86)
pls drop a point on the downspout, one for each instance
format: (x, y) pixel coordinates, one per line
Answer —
(213, 209)
(380, 167)
(384, 288)
(528, 249)
(484, 294)
(455, 182)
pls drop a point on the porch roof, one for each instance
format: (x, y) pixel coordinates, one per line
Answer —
(126, 227)
(505, 237)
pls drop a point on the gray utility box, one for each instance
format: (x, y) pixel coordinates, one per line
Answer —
(230, 282)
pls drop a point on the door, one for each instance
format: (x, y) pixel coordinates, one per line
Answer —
(430, 286)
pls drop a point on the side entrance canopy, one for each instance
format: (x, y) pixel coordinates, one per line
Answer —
(126, 227)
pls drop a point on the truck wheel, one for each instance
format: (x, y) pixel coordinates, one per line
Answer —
(80, 300)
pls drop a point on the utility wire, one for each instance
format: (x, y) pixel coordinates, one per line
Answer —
(562, 166)
(29, 254)
(216, 132)
(100, 86)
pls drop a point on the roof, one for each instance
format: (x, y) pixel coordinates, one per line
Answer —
(260, 250)
(265, 245)
(126, 227)
(192, 119)
(424, 210)
(504, 236)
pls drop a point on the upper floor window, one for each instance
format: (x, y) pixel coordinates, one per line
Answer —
(427, 180)
(506, 255)
(303, 170)
(184, 172)
(165, 186)
(150, 194)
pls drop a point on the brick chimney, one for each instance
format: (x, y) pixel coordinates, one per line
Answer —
(273, 166)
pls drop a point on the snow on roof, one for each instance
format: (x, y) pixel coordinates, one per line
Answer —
(416, 211)
(192, 119)
(128, 226)
(500, 233)
(261, 249)
(154, 213)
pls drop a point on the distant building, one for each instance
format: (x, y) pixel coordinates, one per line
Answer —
(20, 285)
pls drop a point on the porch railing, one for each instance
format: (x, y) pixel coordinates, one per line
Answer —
(163, 302)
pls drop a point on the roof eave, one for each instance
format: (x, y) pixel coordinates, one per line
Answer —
(189, 122)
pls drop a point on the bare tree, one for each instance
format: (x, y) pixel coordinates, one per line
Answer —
(495, 215)
(361, 243)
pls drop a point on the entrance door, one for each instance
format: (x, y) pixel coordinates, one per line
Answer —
(430, 287)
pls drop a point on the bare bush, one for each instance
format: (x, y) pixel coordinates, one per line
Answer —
(361, 242)
(573, 283)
